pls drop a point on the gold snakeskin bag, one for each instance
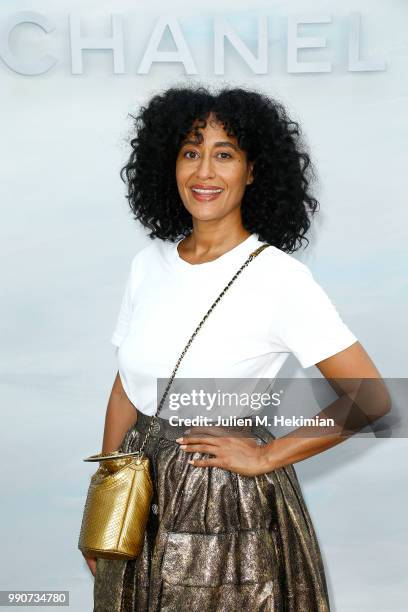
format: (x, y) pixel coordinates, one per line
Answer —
(118, 501)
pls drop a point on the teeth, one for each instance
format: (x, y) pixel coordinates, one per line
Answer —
(207, 190)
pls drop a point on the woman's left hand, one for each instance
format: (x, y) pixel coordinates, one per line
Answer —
(236, 454)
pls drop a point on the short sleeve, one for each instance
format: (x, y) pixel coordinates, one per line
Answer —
(126, 308)
(308, 323)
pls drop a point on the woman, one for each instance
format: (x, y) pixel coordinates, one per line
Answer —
(213, 177)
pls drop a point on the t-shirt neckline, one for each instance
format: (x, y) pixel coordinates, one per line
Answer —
(236, 251)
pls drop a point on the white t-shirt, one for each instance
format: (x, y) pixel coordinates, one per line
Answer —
(273, 308)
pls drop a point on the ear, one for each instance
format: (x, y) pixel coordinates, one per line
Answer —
(250, 173)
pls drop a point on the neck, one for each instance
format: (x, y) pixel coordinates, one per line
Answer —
(203, 242)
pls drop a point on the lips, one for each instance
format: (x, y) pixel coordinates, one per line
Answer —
(206, 193)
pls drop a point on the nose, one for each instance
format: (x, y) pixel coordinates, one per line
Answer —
(205, 168)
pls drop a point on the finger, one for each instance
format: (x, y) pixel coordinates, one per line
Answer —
(211, 440)
(92, 566)
(205, 462)
(197, 448)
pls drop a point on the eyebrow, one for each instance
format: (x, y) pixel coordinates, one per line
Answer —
(222, 143)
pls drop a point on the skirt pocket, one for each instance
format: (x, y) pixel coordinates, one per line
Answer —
(222, 572)
(199, 559)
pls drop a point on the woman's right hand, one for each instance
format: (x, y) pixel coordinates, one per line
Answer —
(91, 562)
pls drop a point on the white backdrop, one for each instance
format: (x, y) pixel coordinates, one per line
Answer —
(67, 239)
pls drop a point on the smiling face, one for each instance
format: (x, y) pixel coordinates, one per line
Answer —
(212, 172)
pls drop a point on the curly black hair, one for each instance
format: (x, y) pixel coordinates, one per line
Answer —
(277, 205)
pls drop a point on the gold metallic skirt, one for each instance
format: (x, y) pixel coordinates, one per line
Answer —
(216, 541)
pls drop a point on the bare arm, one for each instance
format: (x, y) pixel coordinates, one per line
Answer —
(121, 414)
(356, 379)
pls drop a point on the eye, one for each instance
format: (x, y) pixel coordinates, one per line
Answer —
(187, 152)
(225, 153)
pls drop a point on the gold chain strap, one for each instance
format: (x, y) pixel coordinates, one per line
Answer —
(249, 259)
(139, 452)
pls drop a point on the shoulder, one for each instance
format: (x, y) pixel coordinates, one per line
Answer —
(152, 258)
(274, 261)
(290, 281)
(149, 253)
